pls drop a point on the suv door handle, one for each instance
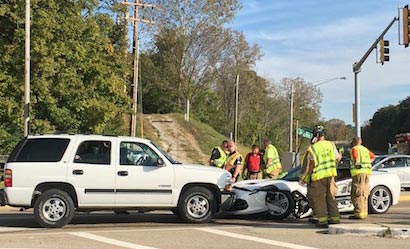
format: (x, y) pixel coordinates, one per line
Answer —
(122, 173)
(78, 172)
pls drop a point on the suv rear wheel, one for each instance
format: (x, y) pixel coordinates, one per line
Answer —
(54, 208)
(197, 205)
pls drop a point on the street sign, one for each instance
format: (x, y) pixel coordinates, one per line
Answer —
(305, 132)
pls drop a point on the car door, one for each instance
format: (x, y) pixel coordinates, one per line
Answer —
(92, 173)
(139, 180)
(396, 165)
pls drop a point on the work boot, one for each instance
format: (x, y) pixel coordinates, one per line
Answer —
(330, 222)
(322, 225)
(352, 217)
(313, 220)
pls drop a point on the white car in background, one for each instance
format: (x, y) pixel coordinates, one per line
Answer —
(395, 164)
(285, 197)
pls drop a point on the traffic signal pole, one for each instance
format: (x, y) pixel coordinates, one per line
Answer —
(356, 70)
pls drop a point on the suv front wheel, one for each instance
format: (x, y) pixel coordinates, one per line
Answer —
(197, 205)
(54, 208)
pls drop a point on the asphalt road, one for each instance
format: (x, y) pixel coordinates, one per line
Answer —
(162, 230)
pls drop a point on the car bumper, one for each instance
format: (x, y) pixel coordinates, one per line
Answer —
(227, 200)
(3, 198)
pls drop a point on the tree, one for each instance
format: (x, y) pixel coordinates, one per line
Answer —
(385, 124)
(194, 25)
(77, 70)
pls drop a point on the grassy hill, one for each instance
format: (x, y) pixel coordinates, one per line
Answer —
(205, 136)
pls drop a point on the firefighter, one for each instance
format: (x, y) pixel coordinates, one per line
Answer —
(323, 158)
(234, 161)
(304, 178)
(219, 154)
(273, 167)
(360, 168)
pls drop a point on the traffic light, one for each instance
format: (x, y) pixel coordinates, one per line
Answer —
(384, 51)
(406, 28)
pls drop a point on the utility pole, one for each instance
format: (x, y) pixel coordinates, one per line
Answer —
(235, 123)
(27, 73)
(356, 70)
(291, 120)
(135, 51)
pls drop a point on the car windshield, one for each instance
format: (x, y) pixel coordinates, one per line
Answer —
(292, 175)
(165, 154)
(378, 159)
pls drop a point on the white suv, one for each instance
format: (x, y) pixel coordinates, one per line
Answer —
(59, 174)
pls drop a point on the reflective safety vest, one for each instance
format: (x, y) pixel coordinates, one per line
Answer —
(363, 163)
(324, 157)
(230, 161)
(219, 162)
(275, 163)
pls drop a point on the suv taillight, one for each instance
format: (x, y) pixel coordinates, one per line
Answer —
(8, 178)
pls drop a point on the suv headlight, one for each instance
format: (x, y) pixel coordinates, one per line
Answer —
(228, 184)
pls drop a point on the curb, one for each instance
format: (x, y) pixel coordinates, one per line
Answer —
(370, 230)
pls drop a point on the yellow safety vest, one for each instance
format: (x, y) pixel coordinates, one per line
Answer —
(219, 162)
(363, 160)
(275, 163)
(230, 160)
(324, 157)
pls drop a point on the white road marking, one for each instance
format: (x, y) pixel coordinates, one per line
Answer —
(15, 229)
(110, 241)
(254, 239)
(114, 231)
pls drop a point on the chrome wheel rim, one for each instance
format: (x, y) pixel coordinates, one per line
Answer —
(198, 206)
(380, 200)
(278, 203)
(54, 209)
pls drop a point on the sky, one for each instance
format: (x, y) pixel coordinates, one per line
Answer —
(320, 40)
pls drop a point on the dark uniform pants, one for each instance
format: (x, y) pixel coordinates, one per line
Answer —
(360, 192)
(322, 195)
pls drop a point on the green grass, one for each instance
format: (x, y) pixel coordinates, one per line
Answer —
(206, 136)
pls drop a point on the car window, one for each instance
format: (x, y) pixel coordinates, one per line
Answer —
(133, 153)
(40, 150)
(407, 161)
(394, 163)
(94, 152)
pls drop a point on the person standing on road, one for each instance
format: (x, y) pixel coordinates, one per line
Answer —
(219, 154)
(305, 177)
(323, 157)
(360, 168)
(234, 161)
(253, 162)
(273, 167)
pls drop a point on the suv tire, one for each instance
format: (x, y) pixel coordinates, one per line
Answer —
(54, 208)
(197, 205)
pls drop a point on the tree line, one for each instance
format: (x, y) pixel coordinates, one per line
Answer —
(81, 66)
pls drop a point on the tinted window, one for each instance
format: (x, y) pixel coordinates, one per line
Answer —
(40, 150)
(16, 150)
(94, 152)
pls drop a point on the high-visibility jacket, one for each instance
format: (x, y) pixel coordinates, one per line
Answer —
(272, 153)
(219, 162)
(230, 161)
(324, 157)
(363, 163)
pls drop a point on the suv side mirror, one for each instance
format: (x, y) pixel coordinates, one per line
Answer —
(160, 162)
